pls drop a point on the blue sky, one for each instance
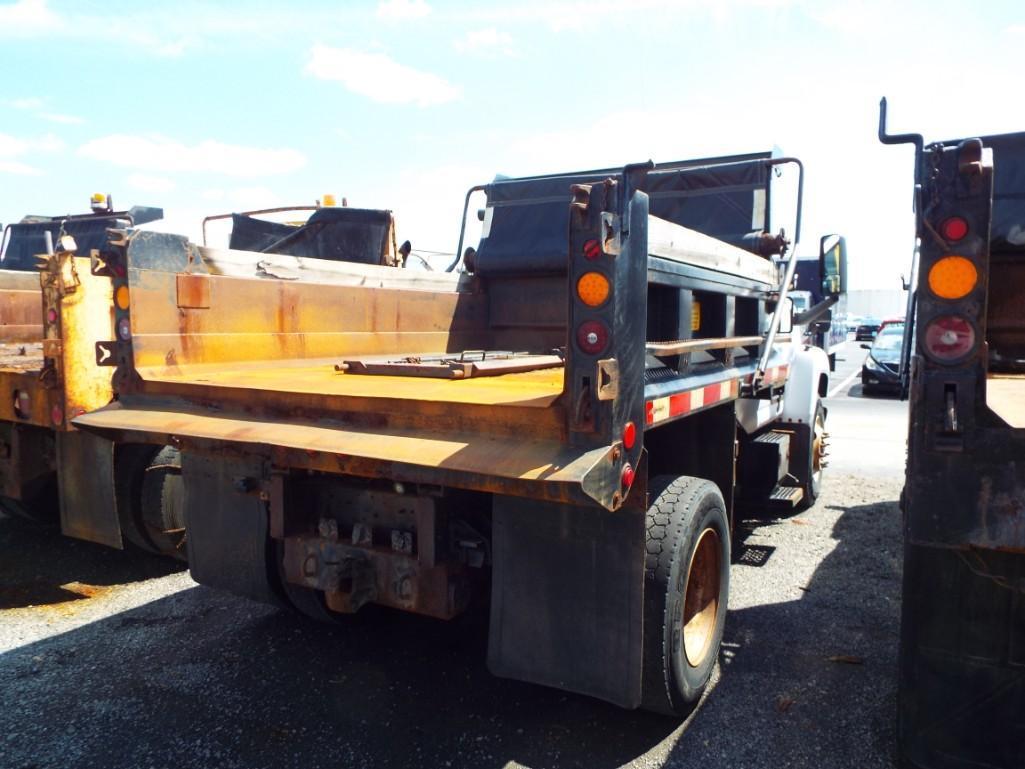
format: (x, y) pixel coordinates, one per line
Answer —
(403, 104)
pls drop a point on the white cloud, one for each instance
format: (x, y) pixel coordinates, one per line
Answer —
(12, 149)
(379, 77)
(32, 102)
(172, 49)
(164, 155)
(158, 30)
(18, 168)
(402, 9)
(563, 15)
(147, 183)
(486, 42)
(27, 17)
(35, 104)
(57, 117)
(11, 146)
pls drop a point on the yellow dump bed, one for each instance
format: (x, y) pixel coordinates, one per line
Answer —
(254, 360)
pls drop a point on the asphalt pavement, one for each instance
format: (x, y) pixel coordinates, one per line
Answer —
(113, 659)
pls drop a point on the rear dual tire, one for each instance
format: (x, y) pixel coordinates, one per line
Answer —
(151, 499)
(686, 591)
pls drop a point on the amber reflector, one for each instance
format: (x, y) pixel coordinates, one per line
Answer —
(593, 289)
(952, 277)
(121, 297)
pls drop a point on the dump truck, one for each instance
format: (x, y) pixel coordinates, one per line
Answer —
(562, 427)
(829, 330)
(962, 641)
(52, 308)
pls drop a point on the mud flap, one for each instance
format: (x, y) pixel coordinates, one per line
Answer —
(228, 541)
(85, 478)
(962, 664)
(567, 598)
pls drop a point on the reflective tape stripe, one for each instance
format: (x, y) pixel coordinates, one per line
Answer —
(669, 406)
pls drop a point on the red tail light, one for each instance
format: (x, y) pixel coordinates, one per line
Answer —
(949, 338)
(592, 337)
(592, 249)
(629, 435)
(627, 476)
(954, 228)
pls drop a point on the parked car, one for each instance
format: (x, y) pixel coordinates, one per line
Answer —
(889, 322)
(866, 330)
(880, 370)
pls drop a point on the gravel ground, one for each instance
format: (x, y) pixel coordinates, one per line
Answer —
(111, 659)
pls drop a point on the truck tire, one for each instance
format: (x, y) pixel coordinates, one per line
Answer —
(307, 601)
(686, 590)
(163, 503)
(809, 465)
(150, 499)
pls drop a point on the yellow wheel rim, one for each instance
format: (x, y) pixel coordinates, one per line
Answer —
(701, 599)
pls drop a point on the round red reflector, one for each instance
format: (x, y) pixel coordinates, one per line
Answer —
(592, 249)
(51, 315)
(57, 415)
(949, 338)
(629, 435)
(592, 337)
(628, 476)
(954, 228)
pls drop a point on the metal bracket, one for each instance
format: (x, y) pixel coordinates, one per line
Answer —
(611, 231)
(68, 280)
(608, 379)
(52, 348)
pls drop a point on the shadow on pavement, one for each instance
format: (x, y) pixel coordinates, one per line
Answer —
(810, 682)
(38, 562)
(226, 682)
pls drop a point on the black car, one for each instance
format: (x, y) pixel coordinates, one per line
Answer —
(879, 372)
(866, 331)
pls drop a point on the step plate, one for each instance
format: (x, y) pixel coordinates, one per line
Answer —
(787, 495)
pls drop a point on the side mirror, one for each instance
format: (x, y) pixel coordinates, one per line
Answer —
(833, 265)
(866, 346)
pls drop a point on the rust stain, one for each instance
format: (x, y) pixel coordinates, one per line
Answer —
(85, 317)
(84, 590)
(193, 291)
(63, 599)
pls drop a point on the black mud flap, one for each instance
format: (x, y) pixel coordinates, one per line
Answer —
(962, 667)
(567, 598)
(227, 526)
(85, 480)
